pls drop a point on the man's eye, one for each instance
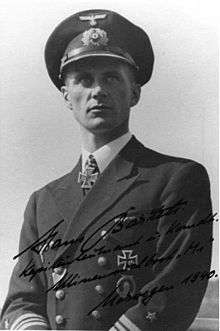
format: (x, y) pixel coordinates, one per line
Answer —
(112, 78)
(85, 80)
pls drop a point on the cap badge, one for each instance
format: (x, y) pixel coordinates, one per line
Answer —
(92, 18)
(95, 37)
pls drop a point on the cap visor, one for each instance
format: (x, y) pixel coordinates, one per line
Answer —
(97, 54)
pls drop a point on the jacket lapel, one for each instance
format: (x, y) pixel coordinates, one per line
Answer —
(113, 182)
(68, 194)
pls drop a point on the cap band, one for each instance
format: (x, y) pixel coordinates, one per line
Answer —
(82, 52)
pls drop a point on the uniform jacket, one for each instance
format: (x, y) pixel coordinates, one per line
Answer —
(132, 254)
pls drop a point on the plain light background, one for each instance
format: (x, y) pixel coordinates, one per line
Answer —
(40, 140)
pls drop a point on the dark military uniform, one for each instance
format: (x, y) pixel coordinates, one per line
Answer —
(134, 252)
(143, 228)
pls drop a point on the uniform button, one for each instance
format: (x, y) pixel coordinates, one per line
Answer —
(102, 261)
(51, 243)
(59, 319)
(60, 294)
(58, 270)
(96, 314)
(103, 234)
(99, 289)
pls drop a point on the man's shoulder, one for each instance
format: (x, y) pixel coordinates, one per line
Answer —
(57, 184)
(157, 162)
(153, 158)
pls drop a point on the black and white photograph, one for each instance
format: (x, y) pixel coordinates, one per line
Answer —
(109, 165)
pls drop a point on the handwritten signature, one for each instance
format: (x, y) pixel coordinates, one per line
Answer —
(88, 250)
(118, 226)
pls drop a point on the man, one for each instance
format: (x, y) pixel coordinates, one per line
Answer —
(122, 242)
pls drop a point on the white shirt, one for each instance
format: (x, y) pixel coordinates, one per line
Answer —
(105, 154)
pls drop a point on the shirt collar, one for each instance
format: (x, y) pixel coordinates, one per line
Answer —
(105, 154)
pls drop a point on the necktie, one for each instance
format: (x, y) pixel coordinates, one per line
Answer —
(88, 177)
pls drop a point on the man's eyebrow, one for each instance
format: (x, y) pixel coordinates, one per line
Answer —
(82, 72)
(112, 72)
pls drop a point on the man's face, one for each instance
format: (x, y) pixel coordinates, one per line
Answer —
(100, 93)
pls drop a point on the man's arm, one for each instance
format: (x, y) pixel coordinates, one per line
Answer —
(25, 305)
(185, 253)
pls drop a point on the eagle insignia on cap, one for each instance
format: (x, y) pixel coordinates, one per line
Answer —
(92, 18)
(95, 37)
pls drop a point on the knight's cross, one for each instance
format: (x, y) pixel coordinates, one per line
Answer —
(151, 316)
(126, 260)
(92, 18)
(87, 179)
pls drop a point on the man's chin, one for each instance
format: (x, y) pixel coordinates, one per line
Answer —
(100, 125)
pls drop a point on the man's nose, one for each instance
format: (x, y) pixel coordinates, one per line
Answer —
(98, 90)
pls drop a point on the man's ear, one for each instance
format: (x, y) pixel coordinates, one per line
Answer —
(136, 93)
(66, 96)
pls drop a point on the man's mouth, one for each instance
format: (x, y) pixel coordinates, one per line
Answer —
(99, 107)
